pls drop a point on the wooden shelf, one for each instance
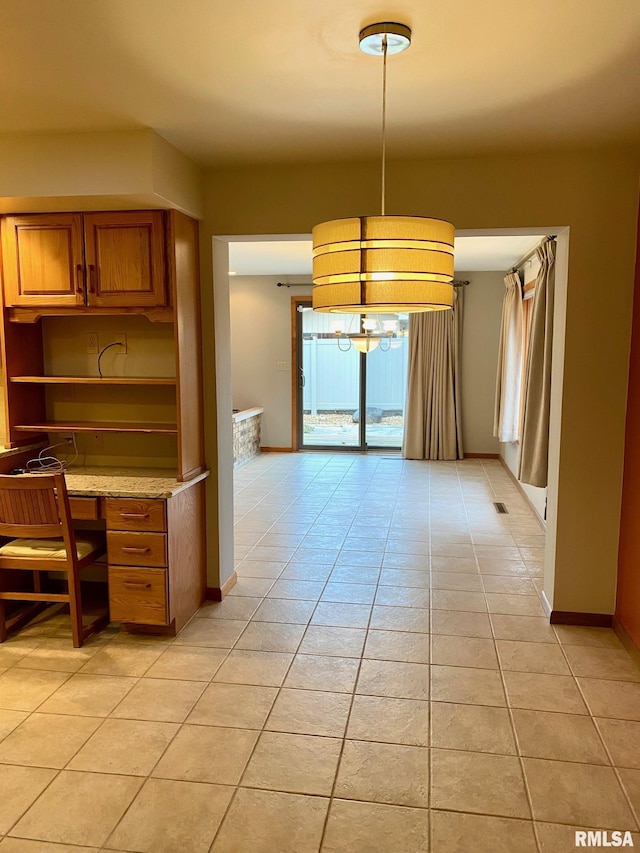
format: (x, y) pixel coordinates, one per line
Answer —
(33, 314)
(93, 380)
(98, 426)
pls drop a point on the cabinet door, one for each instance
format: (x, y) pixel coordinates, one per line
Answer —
(43, 259)
(125, 259)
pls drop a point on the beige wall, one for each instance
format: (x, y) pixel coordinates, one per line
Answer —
(595, 194)
(479, 361)
(260, 337)
(110, 170)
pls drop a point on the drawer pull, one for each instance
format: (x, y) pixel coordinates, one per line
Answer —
(137, 583)
(131, 549)
(134, 515)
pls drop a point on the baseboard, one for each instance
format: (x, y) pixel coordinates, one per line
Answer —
(626, 640)
(518, 484)
(589, 620)
(545, 604)
(277, 450)
(481, 455)
(217, 593)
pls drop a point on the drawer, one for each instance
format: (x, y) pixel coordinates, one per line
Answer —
(84, 508)
(138, 595)
(133, 514)
(127, 548)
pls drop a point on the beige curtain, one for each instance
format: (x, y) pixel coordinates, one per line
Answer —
(534, 446)
(433, 427)
(506, 417)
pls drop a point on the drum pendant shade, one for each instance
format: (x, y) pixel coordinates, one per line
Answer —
(377, 264)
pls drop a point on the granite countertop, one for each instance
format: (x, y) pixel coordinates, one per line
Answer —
(126, 482)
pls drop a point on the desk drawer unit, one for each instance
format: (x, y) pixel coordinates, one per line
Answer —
(137, 557)
(126, 548)
(133, 514)
(138, 595)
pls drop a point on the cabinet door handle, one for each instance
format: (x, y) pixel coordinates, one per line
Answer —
(137, 583)
(79, 278)
(134, 515)
(131, 549)
(92, 278)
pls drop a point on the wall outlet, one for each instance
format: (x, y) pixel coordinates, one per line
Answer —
(115, 338)
(282, 365)
(92, 343)
(120, 338)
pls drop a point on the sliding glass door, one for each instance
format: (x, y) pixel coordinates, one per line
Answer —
(336, 383)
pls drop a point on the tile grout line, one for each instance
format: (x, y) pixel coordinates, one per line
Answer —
(537, 839)
(279, 690)
(353, 696)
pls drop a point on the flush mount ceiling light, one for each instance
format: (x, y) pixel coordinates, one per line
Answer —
(377, 264)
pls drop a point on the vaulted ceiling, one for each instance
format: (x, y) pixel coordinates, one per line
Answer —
(282, 80)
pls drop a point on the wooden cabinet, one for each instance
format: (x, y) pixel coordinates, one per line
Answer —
(84, 266)
(43, 259)
(156, 558)
(97, 260)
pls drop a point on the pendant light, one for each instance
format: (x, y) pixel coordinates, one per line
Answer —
(378, 264)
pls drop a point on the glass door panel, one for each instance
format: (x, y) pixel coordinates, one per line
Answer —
(329, 399)
(386, 386)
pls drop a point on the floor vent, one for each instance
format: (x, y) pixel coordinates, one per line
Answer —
(501, 508)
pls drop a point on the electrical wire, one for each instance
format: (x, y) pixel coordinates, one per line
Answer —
(102, 352)
(42, 464)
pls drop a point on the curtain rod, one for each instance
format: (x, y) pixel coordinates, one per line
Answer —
(530, 254)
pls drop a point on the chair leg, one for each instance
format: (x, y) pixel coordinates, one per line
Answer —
(3, 622)
(75, 608)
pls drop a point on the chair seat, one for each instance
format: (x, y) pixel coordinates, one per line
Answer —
(50, 549)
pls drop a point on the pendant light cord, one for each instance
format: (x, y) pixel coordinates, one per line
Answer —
(384, 121)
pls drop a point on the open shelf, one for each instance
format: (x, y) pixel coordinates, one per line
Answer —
(98, 426)
(92, 380)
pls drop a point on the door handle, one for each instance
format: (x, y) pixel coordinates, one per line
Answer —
(92, 278)
(302, 378)
(79, 278)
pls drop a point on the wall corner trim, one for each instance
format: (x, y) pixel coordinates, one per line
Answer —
(217, 593)
(626, 640)
(518, 484)
(589, 620)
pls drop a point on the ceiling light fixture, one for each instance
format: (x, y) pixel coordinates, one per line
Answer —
(377, 264)
(373, 332)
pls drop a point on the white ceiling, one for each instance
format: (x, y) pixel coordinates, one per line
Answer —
(281, 80)
(293, 257)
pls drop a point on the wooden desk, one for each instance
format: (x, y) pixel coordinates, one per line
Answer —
(155, 542)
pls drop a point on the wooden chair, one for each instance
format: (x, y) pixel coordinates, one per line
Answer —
(34, 511)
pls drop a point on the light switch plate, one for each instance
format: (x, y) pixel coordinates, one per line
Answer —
(282, 365)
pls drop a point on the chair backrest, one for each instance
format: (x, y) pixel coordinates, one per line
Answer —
(34, 506)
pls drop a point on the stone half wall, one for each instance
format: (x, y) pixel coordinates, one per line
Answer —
(246, 434)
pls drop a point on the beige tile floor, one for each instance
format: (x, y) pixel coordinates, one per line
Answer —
(382, 679)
